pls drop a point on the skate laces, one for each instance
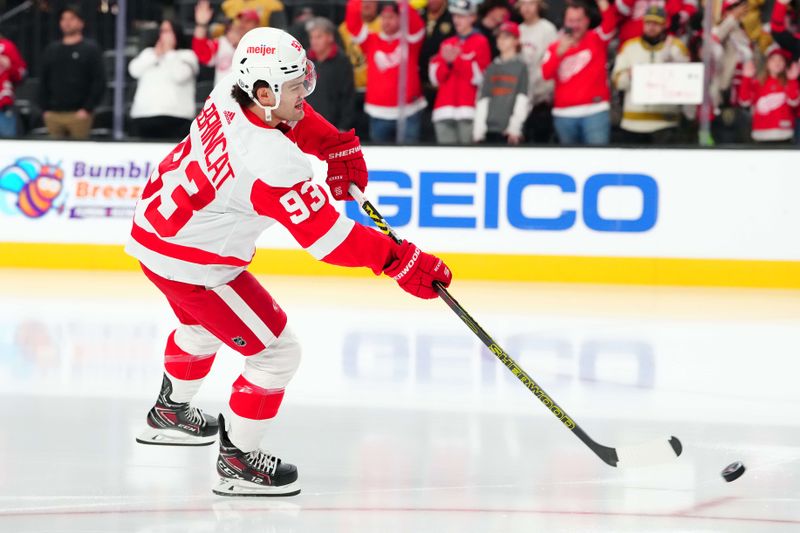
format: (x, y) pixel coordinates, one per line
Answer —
(194, 415)
(263, 461)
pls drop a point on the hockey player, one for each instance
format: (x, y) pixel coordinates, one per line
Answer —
(241, 170)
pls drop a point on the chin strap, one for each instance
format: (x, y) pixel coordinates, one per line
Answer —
(267, 110)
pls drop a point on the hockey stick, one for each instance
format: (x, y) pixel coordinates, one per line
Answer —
(648, 453)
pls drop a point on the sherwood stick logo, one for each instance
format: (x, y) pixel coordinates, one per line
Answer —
(376, 218)
(532, 386)
(474, 327)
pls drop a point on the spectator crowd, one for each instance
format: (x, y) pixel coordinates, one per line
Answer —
(517, 72)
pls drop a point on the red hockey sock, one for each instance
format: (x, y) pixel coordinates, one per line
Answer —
(186, 371)
(252, 408)
(183, 365)
(254, 402)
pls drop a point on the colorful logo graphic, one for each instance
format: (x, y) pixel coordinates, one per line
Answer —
(30, 187)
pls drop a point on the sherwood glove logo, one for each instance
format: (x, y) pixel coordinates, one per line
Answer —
(491, 202)
(408, 266)
(343, 153)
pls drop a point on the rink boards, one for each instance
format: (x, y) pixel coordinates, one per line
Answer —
(687, 217)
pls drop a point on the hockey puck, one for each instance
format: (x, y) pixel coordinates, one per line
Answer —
(733, 471)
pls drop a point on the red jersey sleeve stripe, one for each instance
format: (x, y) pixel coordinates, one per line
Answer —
(332, 239)
(363, 247)
(153, 242)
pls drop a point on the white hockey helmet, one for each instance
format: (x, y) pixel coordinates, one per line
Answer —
(273, 56)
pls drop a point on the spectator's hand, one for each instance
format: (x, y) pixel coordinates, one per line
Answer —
(235, 32)
(203, 13)
(514, 139)
(415, 271)
(749, 70)
(739, 11)
(345, 165)
(167, 41)
(5, 63)
(602, 5)
(793, 71)
(622, 81)
(565, 42)
(450, 53)
(82, 114)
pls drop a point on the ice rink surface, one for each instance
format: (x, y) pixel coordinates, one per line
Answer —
(399, 420)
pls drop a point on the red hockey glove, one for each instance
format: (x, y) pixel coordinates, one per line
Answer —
(345, 165)
(415, 271)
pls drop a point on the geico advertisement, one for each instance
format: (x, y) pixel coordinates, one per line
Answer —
(597, 202)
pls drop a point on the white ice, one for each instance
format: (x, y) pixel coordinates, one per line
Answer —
(400, 421)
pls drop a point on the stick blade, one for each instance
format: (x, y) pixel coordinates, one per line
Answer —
(649, 453)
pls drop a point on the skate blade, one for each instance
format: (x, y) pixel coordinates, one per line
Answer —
(173, 437)
(239, 487)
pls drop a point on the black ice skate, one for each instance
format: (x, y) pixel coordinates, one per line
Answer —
(255, 473)
(177, 424)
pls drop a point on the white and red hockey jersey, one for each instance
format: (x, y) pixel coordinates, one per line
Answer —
(773, 104)
(581, 80)
(383, 55)
(217, 53)
(458, 82)
(230, 179)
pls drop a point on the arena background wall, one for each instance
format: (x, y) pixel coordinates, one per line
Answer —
(644, 216)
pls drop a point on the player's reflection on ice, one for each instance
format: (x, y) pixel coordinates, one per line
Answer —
(262, 515)
(69, 349)
(267, 516)
(79, 350)
(387, 356)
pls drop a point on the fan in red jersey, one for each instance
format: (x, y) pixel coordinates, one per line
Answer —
(242, 169)
(773, 96)
(384, 104)
(457, 71)
(577, 64)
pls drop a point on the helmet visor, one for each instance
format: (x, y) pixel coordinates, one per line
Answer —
(310, 80)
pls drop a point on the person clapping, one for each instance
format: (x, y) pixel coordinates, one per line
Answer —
(163, 106)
